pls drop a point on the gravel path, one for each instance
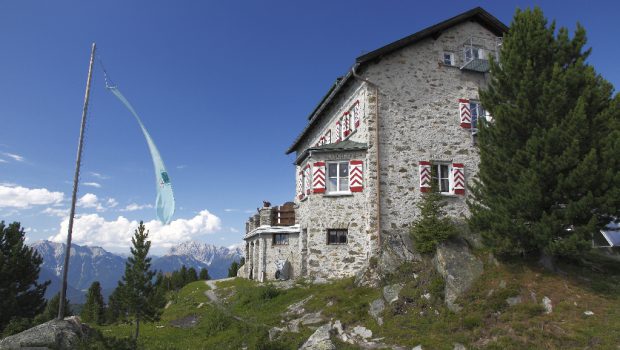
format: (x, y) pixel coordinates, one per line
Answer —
(211, 292)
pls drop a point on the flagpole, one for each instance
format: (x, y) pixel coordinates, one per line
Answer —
(78, 162)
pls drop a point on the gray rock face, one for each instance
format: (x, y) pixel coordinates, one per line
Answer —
(459, 269)
(547, 305)
(319, 340)
(390, 293)
(376, 309)
(63, 334)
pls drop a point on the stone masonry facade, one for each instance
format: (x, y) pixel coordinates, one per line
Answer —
(402, 107)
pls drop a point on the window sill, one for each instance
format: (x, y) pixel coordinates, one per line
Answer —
(338, 194)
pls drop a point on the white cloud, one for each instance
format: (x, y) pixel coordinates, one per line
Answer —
(22, 197)
(98, 175)
(2, 160)
(92, 184)
(90, 200)
(228, 210)
(233, 230)
(92, 229)
(249, 211)
(111, 202)
(61, 213)
(15, 157)
(136, 206)
(182, 166)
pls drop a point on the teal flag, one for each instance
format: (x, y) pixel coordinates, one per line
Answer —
(165, 197)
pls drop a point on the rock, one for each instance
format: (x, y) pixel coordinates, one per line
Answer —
(338, 327)
(319, 340)
(547, 305)
(419, 347)
(168, 304)
(376, 309)
(514, 300)
(312, 318)
(320, 280)
(588, 313)
(426, 296)
(298, 307)
(502, 284)
(200, 305)
(55, 334)
(459, 346)
(362, 331)
(390, 293)
(459, 269)
(275, 332)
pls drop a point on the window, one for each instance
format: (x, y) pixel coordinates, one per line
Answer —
(472, 53)
(280, 238)
(476, 111)
(441, 177)
(338, 177)
(337, 236)
(448, 58)
(303, 187)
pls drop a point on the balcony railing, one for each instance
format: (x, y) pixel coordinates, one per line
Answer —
(477, 51)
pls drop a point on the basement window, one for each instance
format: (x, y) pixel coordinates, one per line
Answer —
(337, 236)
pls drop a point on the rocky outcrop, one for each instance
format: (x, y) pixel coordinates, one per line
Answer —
(55, 334)
(320, 340)
(458, 267)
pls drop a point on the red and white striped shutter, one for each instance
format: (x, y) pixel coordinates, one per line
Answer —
(458, 176)
(424, 168)
(347, 124)
(300, 186)
(308, 179)
(318, 177)
(328, 136)
(464, 113)
(356, 175)
(356, 115)
(338, 133)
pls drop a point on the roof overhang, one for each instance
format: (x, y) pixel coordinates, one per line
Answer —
(265, 230)
(343, 146)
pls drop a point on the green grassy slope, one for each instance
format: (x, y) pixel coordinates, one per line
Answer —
(247, 311)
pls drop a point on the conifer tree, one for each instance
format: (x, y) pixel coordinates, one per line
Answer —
(93, 310)
(549, 170)
(432, 226)
(232, 270)
(21, 296)
(204, 274)
(192, 275)
(139, 296)
(51, 310)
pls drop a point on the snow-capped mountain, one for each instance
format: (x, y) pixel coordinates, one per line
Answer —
(198, 255)
(89, 264)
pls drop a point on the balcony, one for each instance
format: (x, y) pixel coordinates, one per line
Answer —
(477, 51)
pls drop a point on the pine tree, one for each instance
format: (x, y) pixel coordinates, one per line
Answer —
(21, 296)
(432, 226)
(549, 171)
(51, 310)
(204, 274)
(192, 275)
(139, 297)
(93, 310)
(232, 270)
(114, 309)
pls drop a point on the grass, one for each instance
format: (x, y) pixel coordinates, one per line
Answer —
(486, 321)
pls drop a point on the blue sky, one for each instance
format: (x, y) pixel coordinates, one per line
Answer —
(223, 88)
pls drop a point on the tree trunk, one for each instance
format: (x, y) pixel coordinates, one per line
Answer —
(137, 329)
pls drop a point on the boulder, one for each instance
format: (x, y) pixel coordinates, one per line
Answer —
(376, 309)
(390, 293)
(55, 334)
(319, 340)
(362, 332)
(459, 269)
(547, 305)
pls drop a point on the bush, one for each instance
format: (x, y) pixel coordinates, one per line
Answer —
(16, 325)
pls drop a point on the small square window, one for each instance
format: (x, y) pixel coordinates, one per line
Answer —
(280, 238)
(337, 236)
(448, 58)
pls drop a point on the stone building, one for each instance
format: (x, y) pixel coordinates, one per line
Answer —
(402, 117)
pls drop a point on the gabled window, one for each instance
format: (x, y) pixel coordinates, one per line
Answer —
(338, 177)
(337, 236)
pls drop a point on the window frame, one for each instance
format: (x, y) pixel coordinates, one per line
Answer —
(338, 190)
(276, 242)
(452, 58)
(436, 177)
(338, 234)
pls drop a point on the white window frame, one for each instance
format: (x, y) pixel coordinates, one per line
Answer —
(338, 177)
(443, 58)
(437, 179)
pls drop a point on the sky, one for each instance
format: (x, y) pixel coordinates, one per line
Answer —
(223, 87)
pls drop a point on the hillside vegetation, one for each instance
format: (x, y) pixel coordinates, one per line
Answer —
(585, 312)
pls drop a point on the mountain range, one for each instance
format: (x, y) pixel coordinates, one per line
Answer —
(89, 264)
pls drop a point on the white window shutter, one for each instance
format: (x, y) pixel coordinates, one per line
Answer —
(356, 115)
(300, 185)
(356, 175)
(318, 177)
(464, 113)
(424, 168)
(338, 132)
(458, 178)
